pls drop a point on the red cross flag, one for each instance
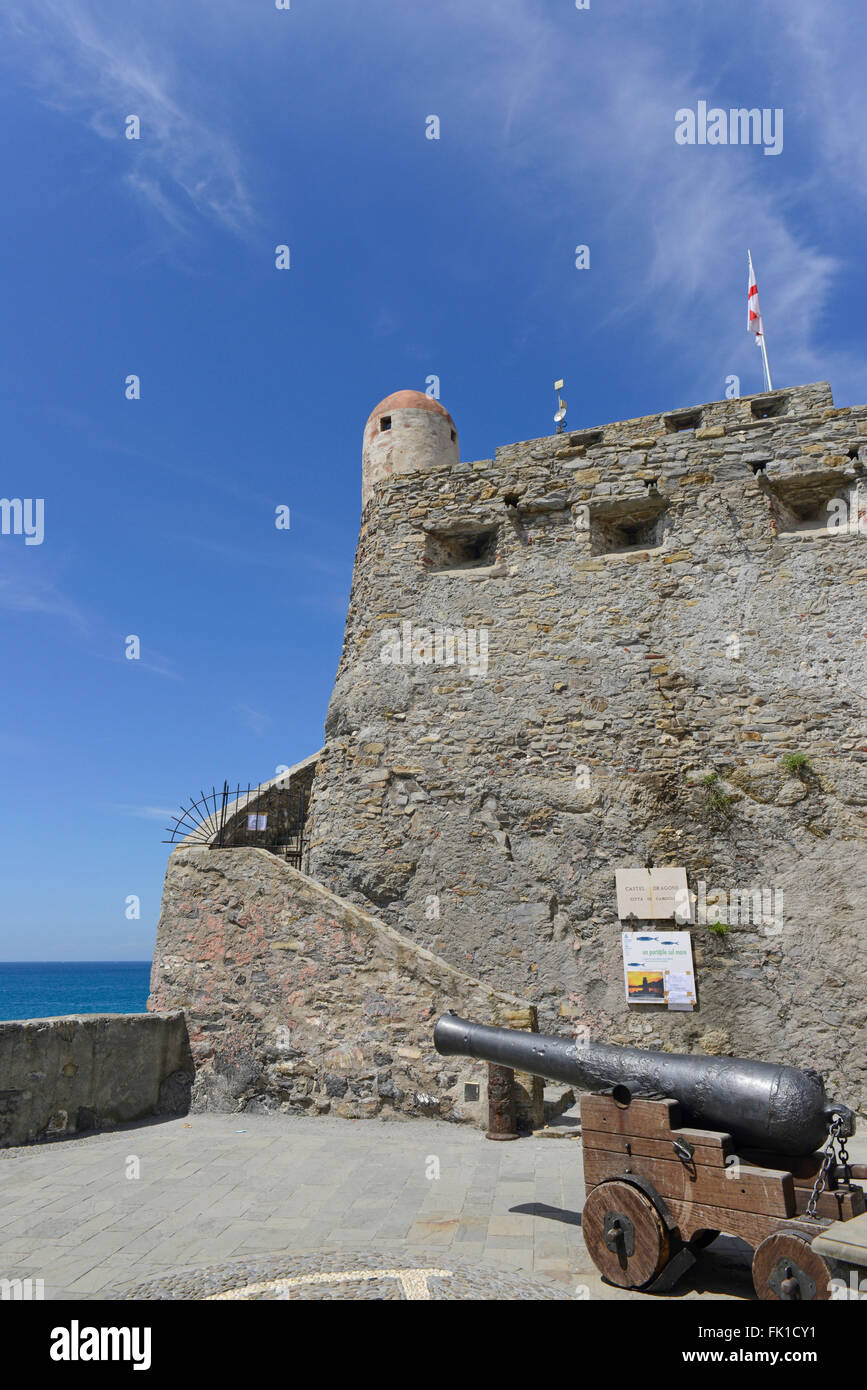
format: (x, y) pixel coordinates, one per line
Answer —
(754, 313)
(755, 324)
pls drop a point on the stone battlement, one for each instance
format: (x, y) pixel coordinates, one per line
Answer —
(798, 458)
(739, 413)
(638, 489)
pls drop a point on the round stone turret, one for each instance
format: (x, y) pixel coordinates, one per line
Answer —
(408, 432)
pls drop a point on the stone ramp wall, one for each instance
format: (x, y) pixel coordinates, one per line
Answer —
(63, 1076)
(300, 1002)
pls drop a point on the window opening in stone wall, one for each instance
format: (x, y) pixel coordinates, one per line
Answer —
(637, 535)
(767, 409)
(585, 438)
(385, 423)
(682, 420)
(801, 506)
(627, 527)
(451, 550)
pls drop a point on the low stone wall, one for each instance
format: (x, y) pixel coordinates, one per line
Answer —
(62, 1076)
(298, 1001)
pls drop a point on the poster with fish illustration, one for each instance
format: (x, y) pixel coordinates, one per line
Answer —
(658, 969)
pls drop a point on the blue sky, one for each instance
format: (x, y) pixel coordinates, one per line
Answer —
(409, 257)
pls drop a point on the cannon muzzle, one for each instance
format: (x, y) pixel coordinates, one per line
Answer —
(761, 1104)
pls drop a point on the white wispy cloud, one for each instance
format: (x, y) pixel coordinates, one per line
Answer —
(561, 130)
(101, 65)
(824, 51)
(161, 813)
(153, 661)
(36, 594)
(254, 719)
(156, 669)
(39, 596)
(600, 134)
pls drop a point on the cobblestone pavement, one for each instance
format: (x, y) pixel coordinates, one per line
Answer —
(213, 1203)
(355, 1274)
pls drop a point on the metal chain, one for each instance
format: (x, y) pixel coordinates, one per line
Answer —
(843, 1160)
(829, 1157)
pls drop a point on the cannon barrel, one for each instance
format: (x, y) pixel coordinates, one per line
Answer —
(761, 1104)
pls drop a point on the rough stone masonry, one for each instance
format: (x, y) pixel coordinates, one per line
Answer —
(636, 645)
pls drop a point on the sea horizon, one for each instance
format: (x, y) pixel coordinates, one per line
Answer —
(56, 988)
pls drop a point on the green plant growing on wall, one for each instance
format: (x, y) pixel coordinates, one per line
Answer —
(715, 802)
(798, 764)
(719, 929)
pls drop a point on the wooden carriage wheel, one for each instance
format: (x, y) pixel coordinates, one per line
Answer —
(624, 1234)
(787, 1268)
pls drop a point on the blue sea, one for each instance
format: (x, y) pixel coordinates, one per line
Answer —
(42, 989)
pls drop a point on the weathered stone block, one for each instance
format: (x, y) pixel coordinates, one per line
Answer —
(91, 1071)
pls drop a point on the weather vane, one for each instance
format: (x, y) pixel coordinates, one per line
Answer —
(560, 417)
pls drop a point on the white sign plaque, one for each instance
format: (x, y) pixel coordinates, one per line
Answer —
(653, 894)
(657, 969)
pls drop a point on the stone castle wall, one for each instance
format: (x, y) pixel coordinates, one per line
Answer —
(666, 619)
(300, 1002)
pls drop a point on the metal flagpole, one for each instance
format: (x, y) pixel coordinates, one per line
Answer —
(764, 348)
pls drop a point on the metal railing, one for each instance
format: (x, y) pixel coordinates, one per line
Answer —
(267, 817)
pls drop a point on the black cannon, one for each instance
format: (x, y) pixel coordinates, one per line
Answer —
(760, 1104)
(661, 1172)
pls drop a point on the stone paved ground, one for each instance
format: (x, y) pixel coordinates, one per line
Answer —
(268, 1195)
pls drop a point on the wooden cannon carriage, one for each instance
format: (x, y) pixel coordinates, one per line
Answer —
(658, 1192)
(747, 1164)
